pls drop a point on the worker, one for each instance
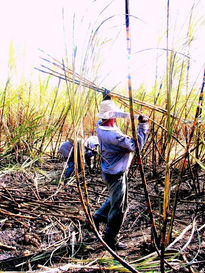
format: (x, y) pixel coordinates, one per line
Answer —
(116, 151)
(67, 152)
(91, 150)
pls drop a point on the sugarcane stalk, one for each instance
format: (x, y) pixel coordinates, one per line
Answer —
(82, 160)
(198, 131)
(49, 118)
(167, 168)
(2, 123)
(197, 114)
(134, 135)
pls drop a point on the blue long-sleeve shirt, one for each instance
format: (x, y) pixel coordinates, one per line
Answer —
(116, 148)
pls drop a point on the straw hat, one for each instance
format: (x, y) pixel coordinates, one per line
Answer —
(109, 110)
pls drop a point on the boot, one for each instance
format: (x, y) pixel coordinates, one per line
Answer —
(112, 243)
(120, 246)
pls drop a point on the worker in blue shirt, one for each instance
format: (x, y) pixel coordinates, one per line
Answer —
(117, 151)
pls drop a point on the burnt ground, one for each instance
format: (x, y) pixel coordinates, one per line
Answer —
(43, 223)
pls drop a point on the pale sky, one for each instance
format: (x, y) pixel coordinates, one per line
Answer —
(34, 24)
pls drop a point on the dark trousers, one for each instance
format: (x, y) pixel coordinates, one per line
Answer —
(113, 210)
(70, 168)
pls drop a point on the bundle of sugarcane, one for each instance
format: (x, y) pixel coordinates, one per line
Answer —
(54, 67)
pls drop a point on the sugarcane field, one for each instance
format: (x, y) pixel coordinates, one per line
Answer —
(102, 136)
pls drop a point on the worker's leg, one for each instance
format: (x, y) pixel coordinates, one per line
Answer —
(69, 169)
(88, 159)
(117, 185)
(102, 213)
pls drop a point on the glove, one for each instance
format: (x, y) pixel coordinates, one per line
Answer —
(142, 119)
(106, 94)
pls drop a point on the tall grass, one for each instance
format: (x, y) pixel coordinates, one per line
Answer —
(37, 117)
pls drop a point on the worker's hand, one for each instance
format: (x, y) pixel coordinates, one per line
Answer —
(142, 119)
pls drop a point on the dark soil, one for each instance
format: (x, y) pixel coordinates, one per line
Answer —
(43, 222)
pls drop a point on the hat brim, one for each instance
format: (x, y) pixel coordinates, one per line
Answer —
(109, 110)
(113, 114)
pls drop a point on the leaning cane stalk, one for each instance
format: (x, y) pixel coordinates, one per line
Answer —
(197, 114)
(86, 207)
(140, 164)
(166, 200)
(198, 132)
(82, 160)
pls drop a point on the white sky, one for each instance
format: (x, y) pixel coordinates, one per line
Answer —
(34, 24)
